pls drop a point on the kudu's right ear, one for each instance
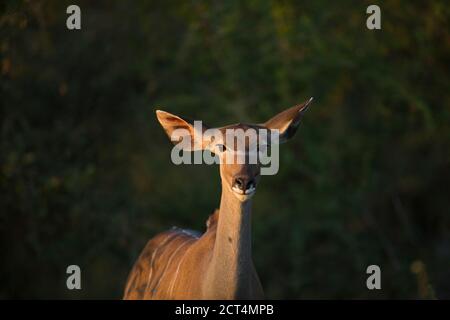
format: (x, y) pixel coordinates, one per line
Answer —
(186, 133)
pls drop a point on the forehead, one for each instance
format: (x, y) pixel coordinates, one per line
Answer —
(243, 126)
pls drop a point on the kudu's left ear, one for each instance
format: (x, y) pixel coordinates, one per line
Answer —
(288, 121)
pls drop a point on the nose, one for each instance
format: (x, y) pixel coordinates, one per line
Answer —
(244, 183)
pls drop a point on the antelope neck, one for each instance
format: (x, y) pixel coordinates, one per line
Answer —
(231, 263)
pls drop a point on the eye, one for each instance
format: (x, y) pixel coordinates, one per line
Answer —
(221, 147)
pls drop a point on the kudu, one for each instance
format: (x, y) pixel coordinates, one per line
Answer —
(183, 264)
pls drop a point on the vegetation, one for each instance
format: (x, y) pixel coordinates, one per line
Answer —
(85, 170)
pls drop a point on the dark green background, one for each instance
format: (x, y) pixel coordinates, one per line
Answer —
(85, 170)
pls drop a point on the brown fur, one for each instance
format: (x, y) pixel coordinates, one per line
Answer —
(180, 264)
(153, 275)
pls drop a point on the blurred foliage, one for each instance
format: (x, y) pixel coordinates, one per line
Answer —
(85, 171)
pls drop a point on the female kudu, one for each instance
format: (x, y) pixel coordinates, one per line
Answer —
(182, 264)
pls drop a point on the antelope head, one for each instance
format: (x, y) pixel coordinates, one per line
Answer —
(237, 147)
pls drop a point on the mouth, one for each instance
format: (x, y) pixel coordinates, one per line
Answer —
(244, 195)
(249, 191)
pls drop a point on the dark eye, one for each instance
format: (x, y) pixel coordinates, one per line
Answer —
(221, 147)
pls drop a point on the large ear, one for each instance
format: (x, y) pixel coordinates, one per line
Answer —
(287, 121)
(186, 131)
